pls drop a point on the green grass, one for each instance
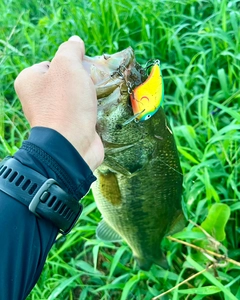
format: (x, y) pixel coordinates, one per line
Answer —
(197, 42)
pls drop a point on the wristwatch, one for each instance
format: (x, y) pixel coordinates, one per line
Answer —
(44, 197)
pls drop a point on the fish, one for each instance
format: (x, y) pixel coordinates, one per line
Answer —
(139, 184)
(148, 96)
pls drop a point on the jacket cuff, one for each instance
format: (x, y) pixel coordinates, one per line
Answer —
(52, 155)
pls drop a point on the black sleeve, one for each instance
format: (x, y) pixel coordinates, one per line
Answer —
(25, 240)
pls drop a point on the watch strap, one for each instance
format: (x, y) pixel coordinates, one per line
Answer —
(44, 197)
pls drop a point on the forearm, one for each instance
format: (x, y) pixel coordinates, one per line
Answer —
(26, 239)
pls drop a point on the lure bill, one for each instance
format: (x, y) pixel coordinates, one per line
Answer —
(147, 98)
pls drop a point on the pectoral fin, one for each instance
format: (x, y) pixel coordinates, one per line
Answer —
(106, 233)
(109, 188)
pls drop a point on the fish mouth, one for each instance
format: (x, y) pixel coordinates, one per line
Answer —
(109, 72)
(114, 76)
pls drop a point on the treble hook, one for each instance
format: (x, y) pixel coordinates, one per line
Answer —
(151, 63)
(129, 86)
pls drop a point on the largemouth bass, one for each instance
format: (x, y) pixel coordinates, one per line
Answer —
(139, 184)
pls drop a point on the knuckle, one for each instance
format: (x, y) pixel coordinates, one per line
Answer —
(22, 74)
(18, 80)
(25, 76)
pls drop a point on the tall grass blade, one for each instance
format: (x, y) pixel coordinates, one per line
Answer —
(212, 279)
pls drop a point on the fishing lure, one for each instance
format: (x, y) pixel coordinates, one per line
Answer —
(147, 98)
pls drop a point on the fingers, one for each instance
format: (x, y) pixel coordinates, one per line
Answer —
(71, 52)
(69, 55)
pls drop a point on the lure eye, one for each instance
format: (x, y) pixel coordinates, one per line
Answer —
(148, 116)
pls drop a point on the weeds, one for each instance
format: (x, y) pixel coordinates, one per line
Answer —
(197, 42)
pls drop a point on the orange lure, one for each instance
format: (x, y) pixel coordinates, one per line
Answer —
(147, 97)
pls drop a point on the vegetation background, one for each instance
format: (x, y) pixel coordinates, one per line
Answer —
(197, 42)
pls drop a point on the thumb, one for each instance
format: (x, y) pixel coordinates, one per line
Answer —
(75, 38)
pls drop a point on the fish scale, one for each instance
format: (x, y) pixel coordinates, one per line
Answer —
(139, 184)
(150, 198)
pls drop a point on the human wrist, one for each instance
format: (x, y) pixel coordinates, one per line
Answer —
(87, 142)
(58, 159)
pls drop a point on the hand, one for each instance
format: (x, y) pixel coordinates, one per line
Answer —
(61, 95)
